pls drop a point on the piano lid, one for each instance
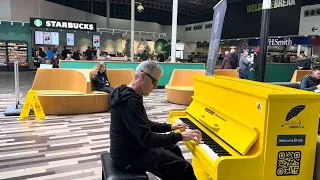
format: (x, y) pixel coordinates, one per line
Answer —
(236, 134)
(257, 89)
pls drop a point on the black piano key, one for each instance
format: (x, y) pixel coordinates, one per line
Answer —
(207, 139)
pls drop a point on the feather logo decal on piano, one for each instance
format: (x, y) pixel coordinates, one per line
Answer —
(292, 117)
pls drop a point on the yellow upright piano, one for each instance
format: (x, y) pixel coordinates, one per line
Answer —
(251, 130)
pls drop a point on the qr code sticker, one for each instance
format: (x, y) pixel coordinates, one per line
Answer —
(288, 163)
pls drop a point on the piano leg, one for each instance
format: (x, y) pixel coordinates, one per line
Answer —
(199, 170)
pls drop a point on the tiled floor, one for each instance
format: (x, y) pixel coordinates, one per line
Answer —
(60, 147)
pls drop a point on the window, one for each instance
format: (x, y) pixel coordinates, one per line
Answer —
(197, 27)
(188, 28)
(208, 26)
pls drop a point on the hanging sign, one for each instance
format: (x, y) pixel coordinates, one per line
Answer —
(62, 24)
(32, 100)
(217, 24)
(274, 4)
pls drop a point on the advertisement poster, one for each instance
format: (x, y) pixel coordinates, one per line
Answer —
(70, 39)
(96, 41)
(47, 38)
(54, 38)
(38, 36)
(217, 24)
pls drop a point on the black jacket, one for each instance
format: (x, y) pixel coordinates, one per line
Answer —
(131, 132)
(101, 80)
(235, 60)
(305, 64)
(309, 83)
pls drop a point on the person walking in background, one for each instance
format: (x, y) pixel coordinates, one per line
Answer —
(65, 52)
(42, 56)
(89, 53)
(100, 78)
(243, 66)
(227, 61)
(76, 55)
(144, 56)
(235, 59)
(255, 64)
(55, 61)
(305, 63)
(49, 54)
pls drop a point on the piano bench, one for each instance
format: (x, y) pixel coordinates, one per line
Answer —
(111, 172)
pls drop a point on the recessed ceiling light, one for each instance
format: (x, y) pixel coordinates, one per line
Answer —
(257, 38)
(238, 39)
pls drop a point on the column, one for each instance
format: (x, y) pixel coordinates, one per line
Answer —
(108, 13)
(298, 50)
(264, 33)
(132, 30)
(174, 30)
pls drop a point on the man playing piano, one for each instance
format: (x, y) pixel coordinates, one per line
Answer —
(139, 144)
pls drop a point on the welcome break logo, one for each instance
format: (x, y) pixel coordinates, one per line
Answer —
(292, 119)
(62, 24)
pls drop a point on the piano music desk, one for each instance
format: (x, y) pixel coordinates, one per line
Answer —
(251, 130)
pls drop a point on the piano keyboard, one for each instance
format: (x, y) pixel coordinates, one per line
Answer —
(210, 146)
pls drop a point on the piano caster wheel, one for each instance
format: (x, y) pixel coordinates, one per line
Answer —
(199, 171)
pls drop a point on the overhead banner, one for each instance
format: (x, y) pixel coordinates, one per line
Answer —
(62, 24)
(218, 18)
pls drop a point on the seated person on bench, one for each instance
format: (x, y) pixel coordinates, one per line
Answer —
(100, 79)
(311, 81)
(138, 144)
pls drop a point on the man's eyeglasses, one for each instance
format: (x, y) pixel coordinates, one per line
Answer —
(154, 80)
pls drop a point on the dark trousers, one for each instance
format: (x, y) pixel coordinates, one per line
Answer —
(243, 74)
(166, 162)
(106, 89)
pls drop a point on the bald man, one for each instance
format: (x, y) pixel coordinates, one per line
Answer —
(243, 66)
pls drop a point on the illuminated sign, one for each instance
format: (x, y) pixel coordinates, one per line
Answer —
(280, 42)
(274, 4)
(62, 24)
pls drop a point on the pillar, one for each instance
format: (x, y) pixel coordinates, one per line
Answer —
(108, 13)
(298, 50)
(264, 33)
(174, 30)
(132, 30)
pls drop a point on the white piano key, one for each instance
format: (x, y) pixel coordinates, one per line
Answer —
(214, 156)
(177, 120)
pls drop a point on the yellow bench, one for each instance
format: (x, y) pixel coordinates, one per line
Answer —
(117, 77)
(64, 91)
(299, 74)
(179, 90)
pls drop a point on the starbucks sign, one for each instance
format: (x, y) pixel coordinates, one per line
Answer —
(62, 24)
(37, 22)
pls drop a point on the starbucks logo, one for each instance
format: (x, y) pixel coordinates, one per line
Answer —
(37, 22)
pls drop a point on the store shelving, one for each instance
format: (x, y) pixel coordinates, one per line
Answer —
(17, 51)
(3, 53)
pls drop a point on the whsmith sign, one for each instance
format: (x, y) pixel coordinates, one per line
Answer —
(62, 24)
(274, 4)
(280, 42)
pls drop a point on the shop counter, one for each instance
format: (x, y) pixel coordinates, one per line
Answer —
(164, 80)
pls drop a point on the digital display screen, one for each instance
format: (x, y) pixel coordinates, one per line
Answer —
(54, 38)
(38, 36)
(47, 38)
(96, 41)
(70, 39)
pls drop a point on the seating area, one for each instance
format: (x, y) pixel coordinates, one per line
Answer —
(299, 74)
(179, 90)
(67, 91)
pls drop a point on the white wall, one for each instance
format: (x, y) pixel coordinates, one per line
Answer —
(307, 23)
(197, 35)
(5, 10)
